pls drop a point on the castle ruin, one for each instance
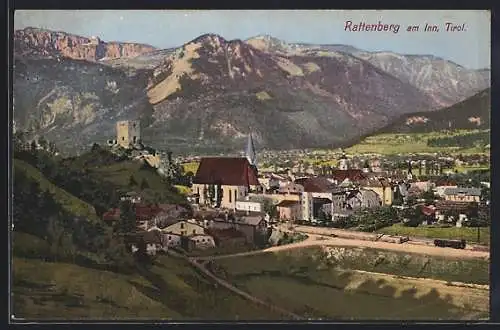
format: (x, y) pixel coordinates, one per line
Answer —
(128, 133)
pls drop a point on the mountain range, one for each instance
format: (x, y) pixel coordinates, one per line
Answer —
(211, 92)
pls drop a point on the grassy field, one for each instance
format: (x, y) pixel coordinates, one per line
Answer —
(305, 282)
(68, 202)
(467, 233)
(170, 290)
(191, 167)
(409, 143)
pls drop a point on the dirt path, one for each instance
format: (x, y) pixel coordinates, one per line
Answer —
(229, 286)
(319, 240)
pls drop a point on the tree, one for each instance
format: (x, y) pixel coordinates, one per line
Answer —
(270, 208)
(127, 222)
(132, 181)
(220, 193)
(428, 196)
(144, 184)
(33, 146)
(43, 143)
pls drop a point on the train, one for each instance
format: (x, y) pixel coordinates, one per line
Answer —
(456, 244)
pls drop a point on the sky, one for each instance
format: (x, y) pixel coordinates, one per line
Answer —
(170, 28)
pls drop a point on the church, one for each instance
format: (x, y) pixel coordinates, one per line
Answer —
(221, 181)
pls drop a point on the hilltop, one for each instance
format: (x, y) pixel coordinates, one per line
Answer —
(472, 113)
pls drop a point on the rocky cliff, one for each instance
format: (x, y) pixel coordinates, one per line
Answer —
(45, 43)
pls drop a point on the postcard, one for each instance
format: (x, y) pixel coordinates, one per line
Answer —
(250, 165)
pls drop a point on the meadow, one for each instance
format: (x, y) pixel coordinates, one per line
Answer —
(407, 143)
(337, 285)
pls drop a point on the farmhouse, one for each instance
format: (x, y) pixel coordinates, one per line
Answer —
(462, 194)
(184, 228)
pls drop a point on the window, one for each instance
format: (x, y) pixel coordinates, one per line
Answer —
(182, 225)
(230, 196)
(203, 240)
(123, 138)
(183, 233)
(194, 231)
(169, 238)
(134, 139)
(235, 195)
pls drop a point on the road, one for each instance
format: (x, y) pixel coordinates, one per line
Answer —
(325, 240)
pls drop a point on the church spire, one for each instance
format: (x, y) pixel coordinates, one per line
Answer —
(250, 152)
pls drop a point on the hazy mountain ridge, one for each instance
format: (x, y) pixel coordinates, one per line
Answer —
(213, 91)
(444, 81)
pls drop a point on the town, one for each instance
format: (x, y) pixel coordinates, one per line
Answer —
(234, 203)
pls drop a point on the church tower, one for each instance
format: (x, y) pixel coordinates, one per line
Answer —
(343, 162)
(250, 151)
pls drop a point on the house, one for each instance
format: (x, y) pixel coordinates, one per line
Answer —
(291, 188)
(203, 241)
(250, 225)
(442, 185)
(111, 215)
(184, 228)
(145, 212)
(362, 198)
(353, 175)
(457, 208)
(382, 188)
(289, 210)
(132, 197)
(315, 188)
(270, 181)
(463, 194)
(249, 203)
(232, 177)
(423, 185)
(227, 237)
(152, 240)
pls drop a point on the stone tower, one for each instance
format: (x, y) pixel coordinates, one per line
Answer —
(128, 133)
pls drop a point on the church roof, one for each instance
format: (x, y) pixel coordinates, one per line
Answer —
(232, 171)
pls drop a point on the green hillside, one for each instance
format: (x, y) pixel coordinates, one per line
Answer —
(125, 175)
(472, 113)
(171, 289)
(452, 142)
(68, 202)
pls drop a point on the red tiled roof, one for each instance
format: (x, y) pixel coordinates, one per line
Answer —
(111, 215)
(316, 184)
(445, 183)
(426, 210)
(233, 171)
(146, 212)
(352, 174)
